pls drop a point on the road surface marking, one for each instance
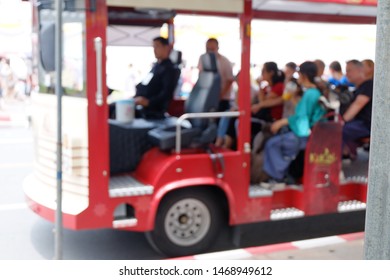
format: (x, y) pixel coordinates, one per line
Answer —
(14, 206)
(16, 165)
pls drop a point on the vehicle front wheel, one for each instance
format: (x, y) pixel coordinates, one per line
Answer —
(187, 223)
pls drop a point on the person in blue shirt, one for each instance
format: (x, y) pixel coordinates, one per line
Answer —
(292, 133)
(337, 77)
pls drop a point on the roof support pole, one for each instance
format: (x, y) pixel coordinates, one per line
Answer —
(58, 89)
(244, 93)
(244, 78)
(377, 238)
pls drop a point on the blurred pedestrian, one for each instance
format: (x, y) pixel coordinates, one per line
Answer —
(8, 79)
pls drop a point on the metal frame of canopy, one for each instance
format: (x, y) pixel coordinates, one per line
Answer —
(337, 11)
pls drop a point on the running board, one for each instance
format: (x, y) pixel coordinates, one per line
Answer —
(355, 179)
(291, 212)
(125, 223)
(257, 191)
(125, 185)
(350, 205)
(286, 213)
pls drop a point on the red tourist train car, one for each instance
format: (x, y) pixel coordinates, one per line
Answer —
(179, 196)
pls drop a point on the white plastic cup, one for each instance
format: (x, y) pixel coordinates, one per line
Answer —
(289, 90)
(124, 110)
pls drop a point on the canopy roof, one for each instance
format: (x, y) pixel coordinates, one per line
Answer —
(343, 11)
(347, 11)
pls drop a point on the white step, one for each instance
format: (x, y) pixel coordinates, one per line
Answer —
(257, 191)
(355, 179)
(351, 205)
(125, 223)
(125, 185)
(286, 213)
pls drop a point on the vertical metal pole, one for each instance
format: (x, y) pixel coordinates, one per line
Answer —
(171, 32)
(377, 237)
(244, 77)
(58, 89)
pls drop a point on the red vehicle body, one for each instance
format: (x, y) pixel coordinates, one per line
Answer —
(180, 199)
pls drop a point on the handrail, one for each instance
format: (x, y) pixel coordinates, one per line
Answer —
(331, 105)
(201, 116)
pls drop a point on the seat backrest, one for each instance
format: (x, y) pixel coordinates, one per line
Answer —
(175, 57)
(176, 106)
(204, 96)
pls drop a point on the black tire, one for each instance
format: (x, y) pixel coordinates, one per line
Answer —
(187, 223)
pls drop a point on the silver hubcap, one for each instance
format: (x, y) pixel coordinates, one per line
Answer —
(187, 222)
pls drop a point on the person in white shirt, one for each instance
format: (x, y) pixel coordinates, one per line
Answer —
(225, 69)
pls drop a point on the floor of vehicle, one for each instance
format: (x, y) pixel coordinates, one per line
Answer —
(357, 170)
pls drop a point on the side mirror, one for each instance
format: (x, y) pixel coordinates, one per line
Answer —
(47, 46)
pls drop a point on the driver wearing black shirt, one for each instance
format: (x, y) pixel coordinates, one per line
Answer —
(156, 90)
(358, 115)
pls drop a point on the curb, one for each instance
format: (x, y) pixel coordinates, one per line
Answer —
(250, 252)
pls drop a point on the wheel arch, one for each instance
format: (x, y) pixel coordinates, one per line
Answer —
(163, 194)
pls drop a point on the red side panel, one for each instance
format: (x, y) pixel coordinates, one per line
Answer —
(97, 213)
(97, 115)
(322, 168)
(353, 191)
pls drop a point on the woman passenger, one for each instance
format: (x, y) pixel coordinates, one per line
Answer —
(269, 105)
(270, 102)
(292, 133)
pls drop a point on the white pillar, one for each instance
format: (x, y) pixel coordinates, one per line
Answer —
(377, 238)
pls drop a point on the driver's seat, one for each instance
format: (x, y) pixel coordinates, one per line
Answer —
(204, 97)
